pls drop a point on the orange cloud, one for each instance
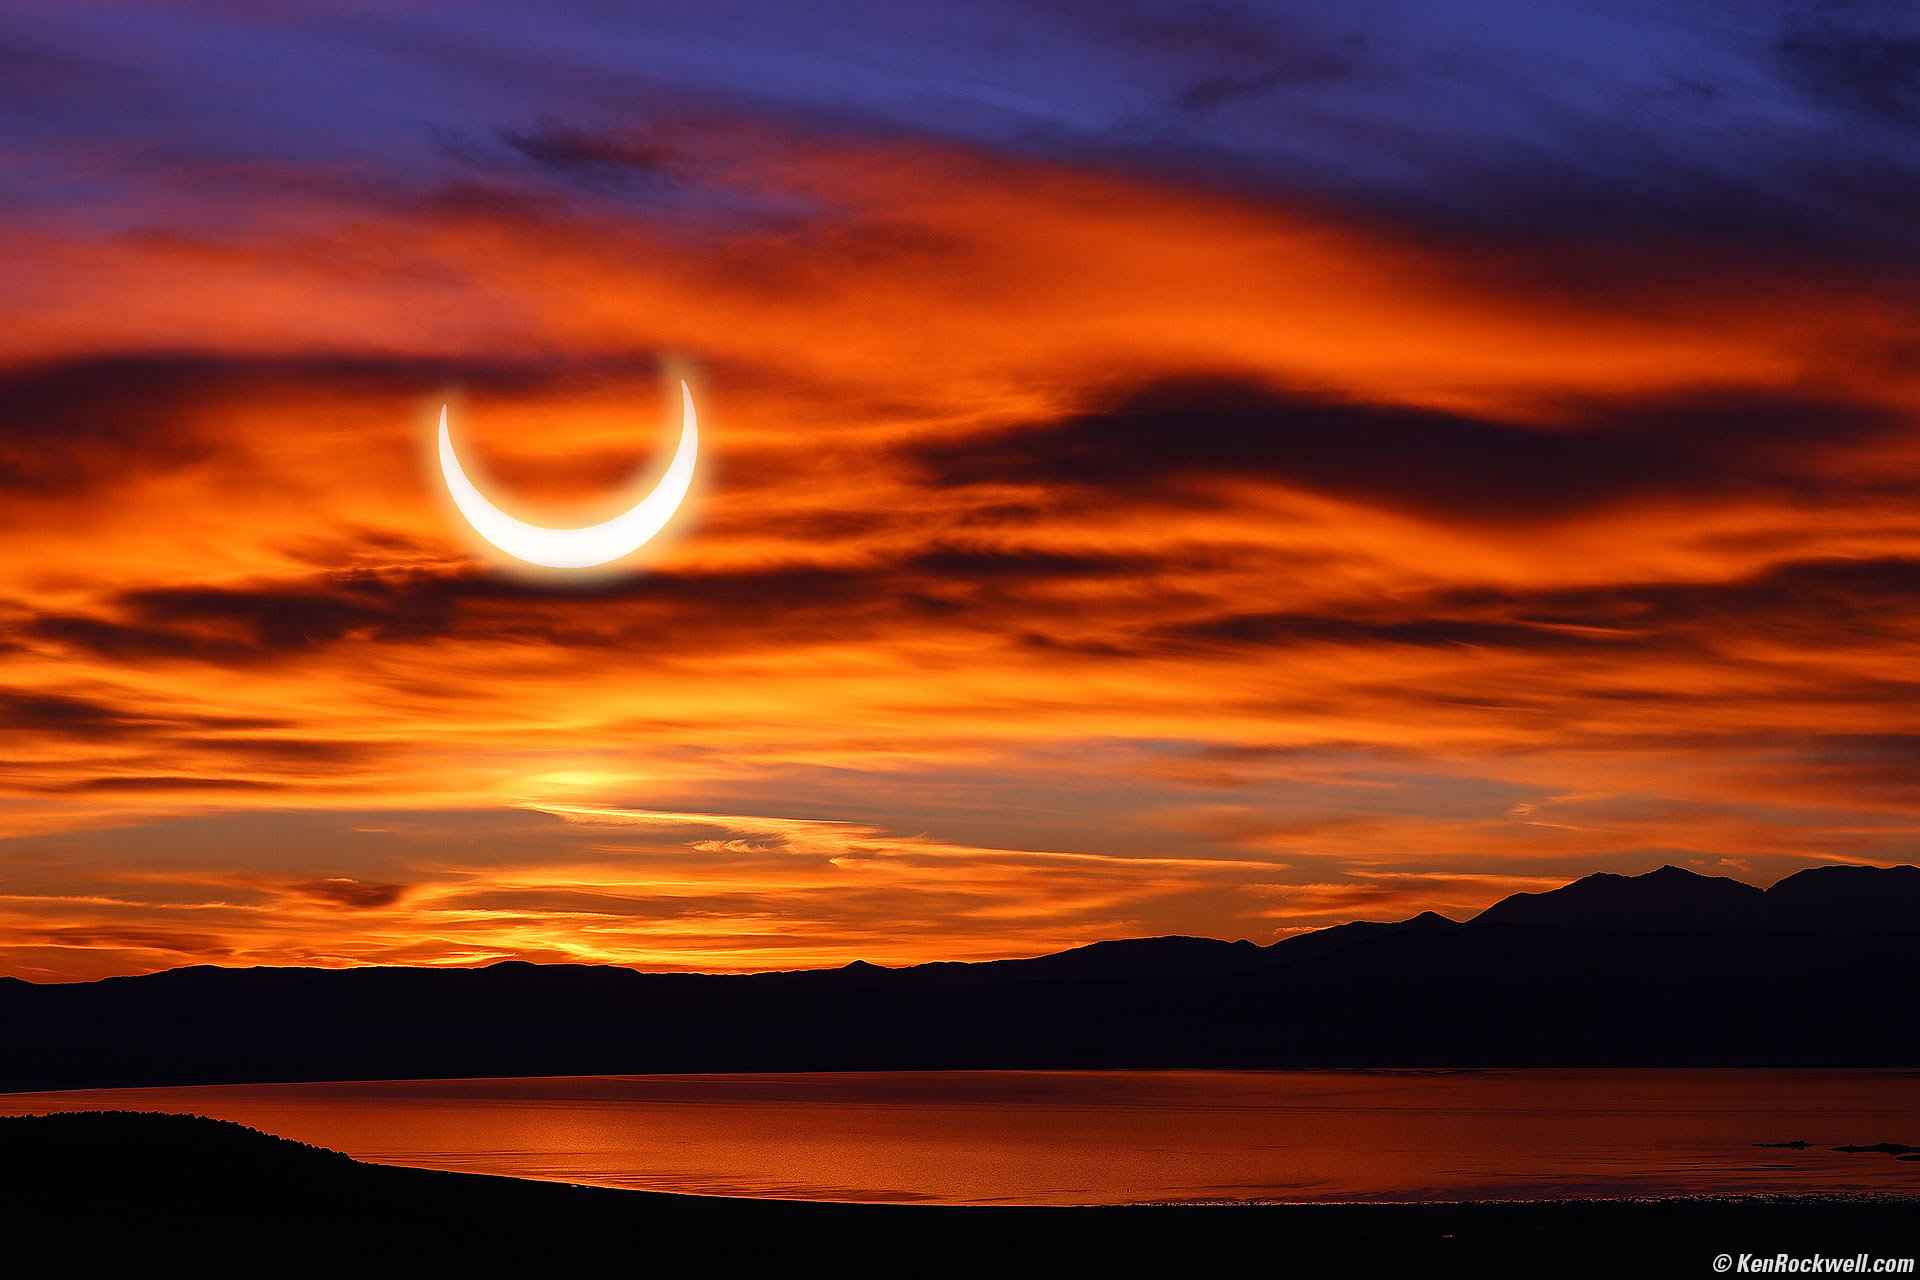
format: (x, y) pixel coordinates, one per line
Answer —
(1074, 555)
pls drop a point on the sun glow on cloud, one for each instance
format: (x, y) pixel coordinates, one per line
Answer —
(1080, 550)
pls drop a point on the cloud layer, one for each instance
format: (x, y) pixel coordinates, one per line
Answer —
(1203, 492)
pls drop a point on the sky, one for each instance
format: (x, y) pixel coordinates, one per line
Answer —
(1165, 468)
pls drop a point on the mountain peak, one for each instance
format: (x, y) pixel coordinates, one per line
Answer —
(1666, 899)
(1847, 898)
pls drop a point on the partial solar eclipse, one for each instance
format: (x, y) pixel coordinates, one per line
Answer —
(596, 544)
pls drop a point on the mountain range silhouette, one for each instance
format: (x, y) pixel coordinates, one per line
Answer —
(1669, 968)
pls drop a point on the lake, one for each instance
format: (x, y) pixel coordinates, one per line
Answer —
(1106, 1137)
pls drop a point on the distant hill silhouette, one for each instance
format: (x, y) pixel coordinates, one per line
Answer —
(1321, 941)
(1666, 900)
(1845, 900)
(1167, 957)
(1667, 968)
(1836, 899)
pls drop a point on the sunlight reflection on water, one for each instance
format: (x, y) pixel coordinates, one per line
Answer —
(1066, 1137)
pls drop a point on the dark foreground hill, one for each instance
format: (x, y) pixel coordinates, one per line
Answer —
(107, 1191)
(1607, 972)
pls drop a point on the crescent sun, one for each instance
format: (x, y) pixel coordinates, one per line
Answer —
(596, 544)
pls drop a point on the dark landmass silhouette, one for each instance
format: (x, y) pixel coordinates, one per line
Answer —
(114, 1189)
(1664, 969)
(1321, 941)
(1667, 900)
(1853, 900)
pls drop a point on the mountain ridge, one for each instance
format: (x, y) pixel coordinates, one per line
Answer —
(1424, 992)
(1838, 899)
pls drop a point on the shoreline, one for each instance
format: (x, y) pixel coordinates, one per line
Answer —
(1178, 1143)
(143, 1184)
(8, 1090)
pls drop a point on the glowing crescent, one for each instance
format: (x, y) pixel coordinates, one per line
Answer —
(576, 548)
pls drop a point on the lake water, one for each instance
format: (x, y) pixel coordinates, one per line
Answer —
(1072, 1137)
